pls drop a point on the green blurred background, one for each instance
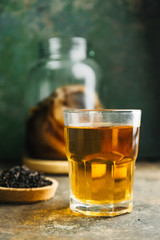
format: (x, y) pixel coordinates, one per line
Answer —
(126, 38)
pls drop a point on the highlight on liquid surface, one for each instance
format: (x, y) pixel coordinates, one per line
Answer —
(101, 162)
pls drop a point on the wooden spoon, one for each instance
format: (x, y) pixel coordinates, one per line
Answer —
(28, 195)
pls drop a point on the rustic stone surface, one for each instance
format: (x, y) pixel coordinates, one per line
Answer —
(54, 220)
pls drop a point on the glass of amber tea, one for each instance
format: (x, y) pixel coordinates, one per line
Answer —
(101, 147)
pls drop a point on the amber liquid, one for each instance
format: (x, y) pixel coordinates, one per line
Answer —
(101, 161)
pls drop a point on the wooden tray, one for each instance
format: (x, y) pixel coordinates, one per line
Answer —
(28, 195)
(47, 166)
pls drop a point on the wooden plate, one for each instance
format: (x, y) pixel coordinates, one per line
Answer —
(28, 195)
(47, 166)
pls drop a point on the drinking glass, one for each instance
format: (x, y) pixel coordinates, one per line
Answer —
(101, 147)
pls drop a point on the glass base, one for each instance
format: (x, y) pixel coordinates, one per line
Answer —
(108, 210)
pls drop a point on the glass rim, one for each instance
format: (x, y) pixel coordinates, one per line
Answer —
(102, 110)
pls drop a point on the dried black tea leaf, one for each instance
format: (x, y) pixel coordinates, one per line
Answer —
(22, 177)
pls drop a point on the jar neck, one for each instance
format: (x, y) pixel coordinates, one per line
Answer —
(73, 49)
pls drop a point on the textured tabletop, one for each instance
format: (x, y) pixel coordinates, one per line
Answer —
(54, 220)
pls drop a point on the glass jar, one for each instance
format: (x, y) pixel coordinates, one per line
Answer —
(64, 78)
(63, 62)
